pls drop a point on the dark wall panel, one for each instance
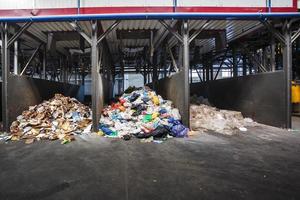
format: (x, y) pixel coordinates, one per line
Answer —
(259, 96)
(24, 92)
(107, 88)
(171, 88)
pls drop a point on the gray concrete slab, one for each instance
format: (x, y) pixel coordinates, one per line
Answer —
(263, 163)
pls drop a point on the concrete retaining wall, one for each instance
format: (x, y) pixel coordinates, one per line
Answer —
(259, 96)
(25, 91)
(171, 88)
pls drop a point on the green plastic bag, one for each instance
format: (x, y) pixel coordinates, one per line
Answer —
(147, 118)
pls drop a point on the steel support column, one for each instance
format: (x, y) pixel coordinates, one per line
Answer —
(44, 61)
(95, 78)
(264, 59)
(186, 63)
(16, 62)
(155, 71)
(287, 67)
(244, 65)
(5, 74)
(211, 67)
(191, 74)
(207, 68)
(235, 63)
(163, 61)
(273, 53)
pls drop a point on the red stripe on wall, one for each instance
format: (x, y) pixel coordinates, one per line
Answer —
(107, 10)
(233, 9)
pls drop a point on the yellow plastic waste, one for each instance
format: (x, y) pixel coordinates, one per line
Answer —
(155, 100)
(295, 93)
(100, 133)
(155, 115)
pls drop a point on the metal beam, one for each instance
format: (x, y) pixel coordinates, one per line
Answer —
(44, 61)
(112, 27)
(186, 63)
(96, 80)
(254, 60)
(5, 74)
(287, 67)
(16, 56)
(234, 63)
(199, 75)
(211, 70)
(162, 39)
(195, 34)
(77, 28)
(173, 59)
(244, 65)
(276, 33)
(26, 32)
(221, 64)
(171, 30)
(19, 33)
(296, 35)
(30, 59)
(273, 54)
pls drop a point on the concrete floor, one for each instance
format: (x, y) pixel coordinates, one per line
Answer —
(263, 163)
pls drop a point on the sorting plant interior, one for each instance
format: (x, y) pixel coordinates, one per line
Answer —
(138, 113)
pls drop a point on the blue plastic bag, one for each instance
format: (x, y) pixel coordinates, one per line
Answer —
(177, 128)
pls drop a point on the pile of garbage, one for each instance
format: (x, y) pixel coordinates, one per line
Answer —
(58, 118)
(143, 114)
(205, 117)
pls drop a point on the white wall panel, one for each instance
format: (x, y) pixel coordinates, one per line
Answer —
(120, 3)
(55, 3)
(227, 3)
(16, 4)
(282, 3)
(234, 3)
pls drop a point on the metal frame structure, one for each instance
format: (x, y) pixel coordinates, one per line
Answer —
(156, 65)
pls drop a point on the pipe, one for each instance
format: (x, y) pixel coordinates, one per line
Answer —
(78, 7)
(145, 16)
(174, 5)
(269, 6)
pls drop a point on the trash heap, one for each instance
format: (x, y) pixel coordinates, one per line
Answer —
(143, 114)
(58, 118)
(205, 117)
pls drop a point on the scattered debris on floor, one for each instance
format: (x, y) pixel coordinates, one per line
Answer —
(58, 118)
(143, 114)
(206, 117)
(5, 137)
